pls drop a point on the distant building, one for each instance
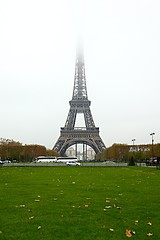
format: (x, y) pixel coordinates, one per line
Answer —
(70, 152)
(139, 148)
(90, 154)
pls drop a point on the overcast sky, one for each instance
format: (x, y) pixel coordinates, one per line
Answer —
(121, 40)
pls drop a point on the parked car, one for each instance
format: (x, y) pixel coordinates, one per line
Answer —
(73, 164)
(1, 162)
(6, 161)
(109, 162)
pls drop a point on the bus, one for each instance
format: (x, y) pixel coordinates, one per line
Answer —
(45, 159)
(67, 159)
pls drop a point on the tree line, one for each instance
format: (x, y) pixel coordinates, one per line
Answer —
(16, 151)
(124, 152)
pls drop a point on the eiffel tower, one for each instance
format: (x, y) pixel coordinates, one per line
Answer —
(69, 134)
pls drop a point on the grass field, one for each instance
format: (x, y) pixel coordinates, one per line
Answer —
(79, 203)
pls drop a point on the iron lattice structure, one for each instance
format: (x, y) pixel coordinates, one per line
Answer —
(69, 134)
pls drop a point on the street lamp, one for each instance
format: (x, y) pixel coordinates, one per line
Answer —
(152, 134)
(133, 140)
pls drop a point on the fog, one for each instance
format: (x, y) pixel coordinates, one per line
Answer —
(37, 62)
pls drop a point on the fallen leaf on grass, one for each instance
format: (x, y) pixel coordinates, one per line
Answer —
(37, 200)
(128, 233)
(133, 232)
(136, 222)
(31, 217)
(118, 207)
(86, 205)
(21, 206)
(149, 223)
(39, 227)
(1, 232)
(71, 212)
(103, 226)
(150, 234)
(55, 199)
(107, 207)
(29, 210)
(27, 220)
(111, 230)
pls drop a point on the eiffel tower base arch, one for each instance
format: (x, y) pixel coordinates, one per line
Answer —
(89, 137)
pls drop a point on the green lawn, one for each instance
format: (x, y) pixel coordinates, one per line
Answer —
(42, 203)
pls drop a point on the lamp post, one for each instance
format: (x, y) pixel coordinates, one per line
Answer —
(133, 140)
(152, 134)
(133, 155)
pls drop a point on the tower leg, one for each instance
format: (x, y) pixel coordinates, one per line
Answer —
(83, 151)
(76, 149)
(86, 151)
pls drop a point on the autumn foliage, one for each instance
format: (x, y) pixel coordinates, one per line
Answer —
(12, 150)
(124, 152)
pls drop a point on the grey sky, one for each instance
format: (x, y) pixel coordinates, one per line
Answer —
(37, 59)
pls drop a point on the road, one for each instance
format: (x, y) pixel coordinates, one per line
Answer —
(97, 164)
